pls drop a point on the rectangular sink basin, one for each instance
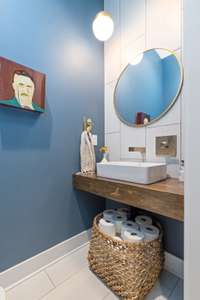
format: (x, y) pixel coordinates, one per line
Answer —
(138, 172)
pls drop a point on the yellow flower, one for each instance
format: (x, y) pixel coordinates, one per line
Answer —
(103, 149)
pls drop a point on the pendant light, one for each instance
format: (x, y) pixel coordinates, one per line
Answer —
(103, 26)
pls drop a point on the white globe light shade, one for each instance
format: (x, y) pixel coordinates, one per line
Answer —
(103, 26)
(137, 59)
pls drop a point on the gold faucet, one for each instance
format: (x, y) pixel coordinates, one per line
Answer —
(142, 150)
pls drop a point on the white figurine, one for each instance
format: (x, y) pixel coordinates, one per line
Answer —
(88, 159)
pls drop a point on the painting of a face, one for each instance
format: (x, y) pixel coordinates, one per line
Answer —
(21, 87)
(24, 89)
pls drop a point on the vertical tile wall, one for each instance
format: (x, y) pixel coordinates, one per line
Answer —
(139, 25)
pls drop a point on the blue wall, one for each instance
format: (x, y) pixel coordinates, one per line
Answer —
(38, 154)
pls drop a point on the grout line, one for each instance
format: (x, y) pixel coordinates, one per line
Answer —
(133, 41)
(45, 271)
(163, 125)
(61, 283)
(145, 24)
(121, 68)
(176, 286)
(47, 293)
(71, 276)
(112, 132)
(145, 144)
(43, 268)
(104, 298)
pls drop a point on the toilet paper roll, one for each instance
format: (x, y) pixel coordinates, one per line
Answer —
(143, 220)
(150, 232)
(109, 214)
(2, 294)
(133, 236)
(107, 227)
(117, 238)
(118, 220)
(128, 226)
(124, 211)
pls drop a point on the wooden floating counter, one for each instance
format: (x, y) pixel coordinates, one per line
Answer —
(165, 198)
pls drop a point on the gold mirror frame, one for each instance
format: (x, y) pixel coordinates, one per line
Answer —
(170, 105)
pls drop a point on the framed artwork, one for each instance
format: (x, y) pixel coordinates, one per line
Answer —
(21, 87)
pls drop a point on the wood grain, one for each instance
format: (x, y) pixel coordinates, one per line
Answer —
(164, 198)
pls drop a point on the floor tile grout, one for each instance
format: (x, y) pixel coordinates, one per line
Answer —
(106, 296)
(176, 286)
(66, 279)
(61, 283)
(50, 278)
(55, 286)
(40, 270)
(42, 297)
(65, 256)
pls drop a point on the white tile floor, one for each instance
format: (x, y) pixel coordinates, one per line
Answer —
(70, 278)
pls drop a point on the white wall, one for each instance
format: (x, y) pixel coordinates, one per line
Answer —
(192, 147)
(139, 25)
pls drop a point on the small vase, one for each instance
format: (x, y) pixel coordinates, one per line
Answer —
(105, 159)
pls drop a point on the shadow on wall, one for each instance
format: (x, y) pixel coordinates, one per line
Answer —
(173, 230)
(89, 206)
(16, 129)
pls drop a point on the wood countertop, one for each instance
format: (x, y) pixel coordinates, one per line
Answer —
(164, 198)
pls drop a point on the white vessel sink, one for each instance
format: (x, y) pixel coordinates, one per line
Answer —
(138, 172)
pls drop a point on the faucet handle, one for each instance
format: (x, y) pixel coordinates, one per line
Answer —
(137, 149)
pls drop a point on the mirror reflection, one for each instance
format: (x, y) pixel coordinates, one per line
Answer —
(148, 87)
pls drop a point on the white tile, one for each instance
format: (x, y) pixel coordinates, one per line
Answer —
(112, 141)
(111, 296)
(152, 133)
(9, 277)
(68, 266)
(84, 285)
(113, 7)
(174, 265)
(164, 287)
(112, 47)
(168, 280)
(173, 169)
(158, 292)
(182, 141)
(132, 137)
(164, 24)
(112, 57)
(132, 50)
(183, 103)
(177, 294)
(112, 122)
(32, 289)
(132, 20)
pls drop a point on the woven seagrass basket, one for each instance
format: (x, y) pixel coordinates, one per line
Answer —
(130, 270)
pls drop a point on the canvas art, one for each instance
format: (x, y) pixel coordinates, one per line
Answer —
(21, 87)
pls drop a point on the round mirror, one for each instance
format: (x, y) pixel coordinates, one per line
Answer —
(148, 87)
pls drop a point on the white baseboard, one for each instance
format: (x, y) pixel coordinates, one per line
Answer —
(174, 265)
(27, 268)
(35, 264)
